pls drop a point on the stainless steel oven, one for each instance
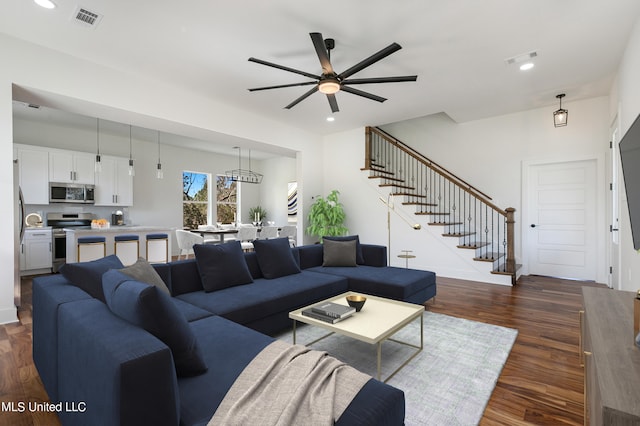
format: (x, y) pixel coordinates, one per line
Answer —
(58, 222)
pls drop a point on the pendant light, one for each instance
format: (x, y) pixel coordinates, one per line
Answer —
(132, 171)
(98, 164)
(560, 116)
(243, 175)
(159, 173)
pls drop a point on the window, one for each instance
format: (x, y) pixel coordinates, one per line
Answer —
(226, 199)
(195, 199)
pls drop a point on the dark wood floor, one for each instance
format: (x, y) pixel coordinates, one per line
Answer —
(541, 383)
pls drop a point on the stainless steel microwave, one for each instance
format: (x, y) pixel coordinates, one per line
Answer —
(71, 193)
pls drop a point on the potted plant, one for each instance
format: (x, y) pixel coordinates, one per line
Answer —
(326, 217)
(257, 215)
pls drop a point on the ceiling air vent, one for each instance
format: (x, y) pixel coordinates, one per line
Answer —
(518, 59)
(86, 17)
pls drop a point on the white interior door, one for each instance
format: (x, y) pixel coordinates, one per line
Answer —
(562, 213)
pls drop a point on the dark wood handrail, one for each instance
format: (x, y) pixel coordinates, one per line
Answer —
(481, 196)
(508, 214)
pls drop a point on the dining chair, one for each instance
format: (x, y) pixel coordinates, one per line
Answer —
(186, 241)
(290, 232)
(246, 234)
(267, 232)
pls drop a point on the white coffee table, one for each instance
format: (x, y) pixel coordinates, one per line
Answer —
(379, 319)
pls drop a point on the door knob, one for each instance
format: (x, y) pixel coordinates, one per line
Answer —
(533, 225)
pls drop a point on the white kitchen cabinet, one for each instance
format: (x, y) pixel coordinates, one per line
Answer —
(114, 185)
(71, 167)
(33, 173)
(36, 251)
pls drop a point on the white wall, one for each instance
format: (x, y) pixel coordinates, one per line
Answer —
(627, 91)
(278, 172)
(487, 153)
(98, 91)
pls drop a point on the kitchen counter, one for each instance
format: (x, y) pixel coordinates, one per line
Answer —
(120, 229)
(110, 233)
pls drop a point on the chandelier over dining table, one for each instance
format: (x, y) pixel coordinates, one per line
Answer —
(243, 175)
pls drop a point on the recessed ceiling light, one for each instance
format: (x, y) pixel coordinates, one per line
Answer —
(47, 4)
(331, 118)
(526, 66)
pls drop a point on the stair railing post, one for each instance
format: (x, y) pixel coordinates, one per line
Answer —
(367, 148)
(511, 255)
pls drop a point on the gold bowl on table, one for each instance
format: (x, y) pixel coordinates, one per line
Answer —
(356, 301)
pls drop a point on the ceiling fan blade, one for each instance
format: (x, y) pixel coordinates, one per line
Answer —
(398, 79)
(280, 86)
(302, 98)
(393, 47)
(363, 94)
(321, 51)
(333, 102)
(282, 67)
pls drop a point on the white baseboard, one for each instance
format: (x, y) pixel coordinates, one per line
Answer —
(8, 315)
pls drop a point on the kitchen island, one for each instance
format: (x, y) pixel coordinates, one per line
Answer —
(110, 233)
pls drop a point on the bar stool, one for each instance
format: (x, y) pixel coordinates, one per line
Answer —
(91, 248)
(127, 248)
(157, 248)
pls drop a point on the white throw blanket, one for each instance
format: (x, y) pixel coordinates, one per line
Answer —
(290, 385)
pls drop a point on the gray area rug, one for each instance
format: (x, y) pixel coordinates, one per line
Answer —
(449, 382)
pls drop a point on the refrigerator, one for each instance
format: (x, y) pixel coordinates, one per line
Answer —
(18, 202)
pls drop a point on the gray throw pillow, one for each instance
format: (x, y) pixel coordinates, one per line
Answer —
(143, 271)
(338, 253)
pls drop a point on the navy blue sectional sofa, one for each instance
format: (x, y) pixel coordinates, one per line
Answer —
(121, 374)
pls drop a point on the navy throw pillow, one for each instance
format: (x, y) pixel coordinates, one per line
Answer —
(359, 256)
(275, 258)
(88, 275)
(146, 306)
(221, 265)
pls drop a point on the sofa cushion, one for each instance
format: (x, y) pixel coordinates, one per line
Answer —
(391, 282)
(149, 308)
(263, 298)
(359, 255)
(338, 253)
(275, 258)
(201, 395)
(88, 275)
(221, 265)
(143, 271)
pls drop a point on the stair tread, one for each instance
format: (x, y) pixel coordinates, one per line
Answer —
(489, 257)
(458, 234)
(472, 246)
(384, 185)
(431, 213)
(518, 266)
(385, 177)
(416, 203)
(408, 194)
(444, 223)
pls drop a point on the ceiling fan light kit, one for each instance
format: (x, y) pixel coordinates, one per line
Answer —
(329, 87)
(329, 82)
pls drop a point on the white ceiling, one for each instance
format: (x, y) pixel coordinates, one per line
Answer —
(457, 48)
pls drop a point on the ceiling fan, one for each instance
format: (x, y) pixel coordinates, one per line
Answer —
(330, 82)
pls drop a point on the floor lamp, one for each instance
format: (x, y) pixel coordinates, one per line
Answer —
(390, 208)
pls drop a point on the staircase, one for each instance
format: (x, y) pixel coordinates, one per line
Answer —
(460, 211)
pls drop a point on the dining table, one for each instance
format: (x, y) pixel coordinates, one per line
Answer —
(220, 232)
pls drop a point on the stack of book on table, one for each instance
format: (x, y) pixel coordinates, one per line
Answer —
(329, 312)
